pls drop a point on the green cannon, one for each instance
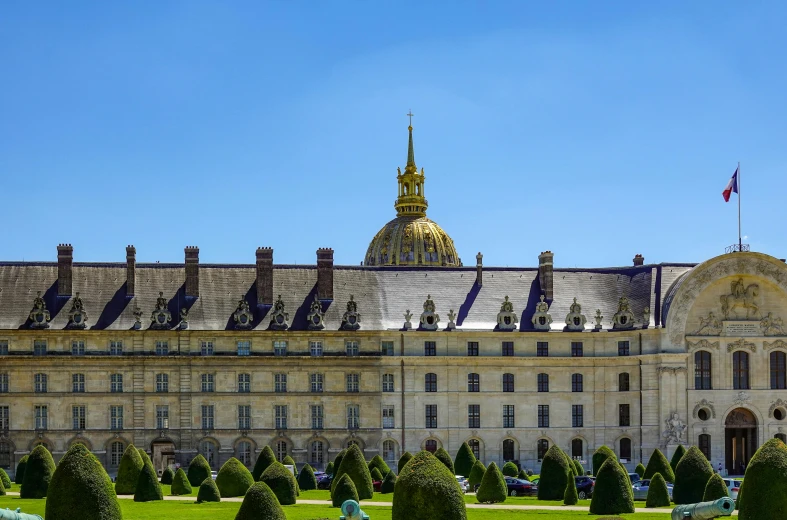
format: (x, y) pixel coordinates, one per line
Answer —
(704, 510)
(7, 514)
(351, 510)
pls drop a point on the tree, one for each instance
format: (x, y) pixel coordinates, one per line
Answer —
(762, 494)
(427, 490)
(19, 475)
(264, 459)
(463, 463)
(445, 458)
(208, 491)
(612, 494)
(148, 488)
(658, 494)
(404, 459)
(329, 468)
(555, 473)
(343, 491)
(679, 453)
(376, 475)
(578, 466)
(306, 479)
(282, 483)
(354, 465)
(80, 488)
(691, 476)
(378, 462)
(181, 484)
(493, 488)
(510, 469)
(571, 497)
(602, 454)
(476, 474)
(658, 464)
(338, 462)
(199, 470)
(640, 470)
(715, 489)
(389, 482)
(166, 476)
(234, 479)
(4, 479)
(260, 502)
(38, 472)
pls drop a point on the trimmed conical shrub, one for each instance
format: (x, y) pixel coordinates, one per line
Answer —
(463, 463)
(181, 484)
(148, 487)
(338, 462)
(80, 488)
(199, 470)
(288, 461)
(167, 475)
(555, 473)
(281, 482)
(344, 490)
(306, 479)
(234, 479)
(264, 459)
(602, 454)
(476, 474)
(640, 470)
(510, 469)
(658, 494)
(6, 481)
(691, 476)
(522, 475)
(762, 494)
(376, 475)
(389, 482)
(378, 462)
(354, 465)
(680, 451)
(715, 489)
(260, 503)
(404, 459)
(580, 471)
(329, 468)
(445, 458)
(19, 475)
(493, 487)
(571, 497)
(612, 494)
(427, 490)
(2, 489)
(38, 472)
(658, 464)
(208, 491)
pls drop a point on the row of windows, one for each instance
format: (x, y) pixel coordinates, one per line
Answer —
(740, 370)
(474, 416)
(542, 348)
(542, 382)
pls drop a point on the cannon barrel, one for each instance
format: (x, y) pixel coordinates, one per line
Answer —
(7, 514)
(704, 510)
(351, 510)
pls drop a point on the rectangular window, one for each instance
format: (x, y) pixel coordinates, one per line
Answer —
(316, 383)
(206, 348)
(508, 416)
(280, 414)
(623, 382)
(77, 348)
(543, 416)
(388, 417)
(543, 382)
(576, 349)
(280, 383)
(778, 371)
(116, 417)
(78, 417)
(624, 415)
(317, 416)
(474, 416)
(162, 417)
(740, 370)
(244, 383)
(577, 415)
(353, 417)
(430, 348)
(207, 416)
(473, 383)
(116, 348)
(244, 417)
(508, 348)
(702, 370)
(387, 348)
(162, 348)
(351, 348)
(39, 347)
(116, 383)
(624, 348)
(244, 348)
(40, 383)
(3, 347)
(3, 383)
(353, 383)
(280, 348)
(42, 417)
(388, 382)
(577, 383)
(5, 420)
(430, 382)
(472, 348)
(508, 382)
(207, 382)
(78, 383)
(315, 348)
(542, 348)
(162, 382)
(430, 419)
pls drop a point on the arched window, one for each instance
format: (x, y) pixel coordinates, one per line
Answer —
(430, 382)
(317, 453)
(778, 371)
(542, 446)
(623, 382)
(473, 382)
(576, 449)
(704, 445)
(208, 450)
(782, 437)
(576, 383)
(243, 452)
(281, 450)
(543, 382)
(475, 447)
(740, 370)
(430, 445)
(508, 382)
(508, 450)
(625, 449)
(389, 451)
(5, 455)
(702, 370)
(116, 450)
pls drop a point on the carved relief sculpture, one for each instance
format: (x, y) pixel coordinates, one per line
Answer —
(77, 316)
(429, 318)
(778, 403)
(704, 403)
(506, 318)
(315, 317)
(542, 319)
(39, 316)
(709, 326)
(779, 343)
(675, 429)
(160, 317)
(624, 318)
(575, 320)
(772, 326)
(703, 344)
(741, 398)
(279, 317)
(741, 344)
(351, 320)
(741, 296)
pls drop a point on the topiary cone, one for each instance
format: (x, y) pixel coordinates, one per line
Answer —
(354, 465)
(264, 459)
(167, 475)
(691, 477)
(510, 469)
(571, 497)
(612, 494)
(658, 463)
(658, 494)
(404, 459)
(378, 462)
(338, 462)
(555, 473)
(2, 488)
(376, 475)
(80, 488)
(463, 463)
(260, 503)
(233, 479)
(715, 489)
(389, 482)
(329, 468)
(38, 472)
(281, 482)
(602, 454)
(344, 490)
(578, 467)
(181, 484)
(6, 481)
(19, 475)
(476, 474)
(493, 487)
(640, 470)
(679, 453)
(306, 479)
(148, 487)
(208, 492)
(762, 493)
(445, 458)
(522, 475)
(426, 490)
(198, 471)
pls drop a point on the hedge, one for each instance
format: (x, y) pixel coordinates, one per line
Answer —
(762, 493)
(376, 475)
(715, 489)
(578, 467)
(640, 470)
(427, 490)
(306, 479)
(208, 491)
(282, 483)
(658, 464)
(602, 454)
(476, 474)
(181, 484)
(4, 479)
(571, 497)
(463, 463)
(404, 459)
(510, 469)
(554, 475)
(260, 503)
(233, 479)
(493, 488)
(148, 487)
(19, 475)
(378, 462)
(658, 494)
(445, 458)
(354, 465)
(167, 475)
(679, 453)
(691, 477)
(38, 472)
(80, 488)
(264, 459)
(389, 482)
(199, 470)
(329, 468)
(612, 494)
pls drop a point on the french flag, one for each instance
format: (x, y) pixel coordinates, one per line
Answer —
(732, 186)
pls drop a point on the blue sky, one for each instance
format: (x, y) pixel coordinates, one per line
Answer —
(594, 129)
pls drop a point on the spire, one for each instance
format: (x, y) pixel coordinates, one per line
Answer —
(411, 200)
(410, 153)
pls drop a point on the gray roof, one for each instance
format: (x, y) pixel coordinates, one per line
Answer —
(383, 294)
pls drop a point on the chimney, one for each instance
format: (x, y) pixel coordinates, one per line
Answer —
(131, 274)
(264, 276)
(479, 268)
(639, 259)
(192, 271)
(325, 273)
(65, 261)
(545, 260)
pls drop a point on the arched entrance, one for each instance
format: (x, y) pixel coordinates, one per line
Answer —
(163, 451)
(740, 439)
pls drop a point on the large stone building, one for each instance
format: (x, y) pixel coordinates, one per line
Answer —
(409, 351)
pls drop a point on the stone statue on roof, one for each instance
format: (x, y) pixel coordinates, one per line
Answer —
(351, 320)
(39, 316)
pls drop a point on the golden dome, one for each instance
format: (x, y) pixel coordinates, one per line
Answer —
(411, 238)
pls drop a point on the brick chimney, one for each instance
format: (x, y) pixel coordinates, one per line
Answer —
(479, 268)
(264, 276)
(192, 271)
(131, 273)
(639, 259)
(545, 268)
(325, 273)
(65, 261)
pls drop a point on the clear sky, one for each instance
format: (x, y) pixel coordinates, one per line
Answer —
(594, 129)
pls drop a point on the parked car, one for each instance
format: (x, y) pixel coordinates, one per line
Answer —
(325, 482)
(733, 486)
(634, 477)
(214, 474)
(641, 489)
(463, 483)
(584, 487)
(518, 487)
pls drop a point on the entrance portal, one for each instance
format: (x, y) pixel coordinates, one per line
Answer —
(163, 454)
(740, 440)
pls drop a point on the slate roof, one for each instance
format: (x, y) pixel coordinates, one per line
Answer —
(383, 294)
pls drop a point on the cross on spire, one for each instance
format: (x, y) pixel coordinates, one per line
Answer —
(410, 115)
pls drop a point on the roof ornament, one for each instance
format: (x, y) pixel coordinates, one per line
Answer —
(646, 317)
(39, 316)
(351, 320)
(624, 318)
(598, 318)
(575, 320)
(315, 317)
(137, 312)
(184, 318)
(279, 318)
(451, 317)
(77, 317)
(407, 317)
(541, 318)
(243, 316)
(160, 317)
(429, 318)
(506, 318)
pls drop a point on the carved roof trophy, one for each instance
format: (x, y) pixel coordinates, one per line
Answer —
(315, 317)
(243, 316)
(39, 316)
(77, 316)
(160, 317)
(506, 318)
(279, 317)
(541, 318)
(624, 318)
(575, 320)
(351, 320)
(429, 318)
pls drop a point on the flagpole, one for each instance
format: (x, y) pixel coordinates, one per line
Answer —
(740, 241)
